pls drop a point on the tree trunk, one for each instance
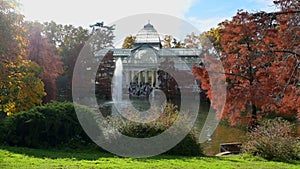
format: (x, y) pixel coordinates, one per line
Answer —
(253, 123)
(254, 112)
(2, 114)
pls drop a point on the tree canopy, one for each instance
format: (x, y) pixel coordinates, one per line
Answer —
(43, 53)
(261, 60)
(20, 85)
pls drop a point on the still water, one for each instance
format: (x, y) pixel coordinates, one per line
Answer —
(222, 134)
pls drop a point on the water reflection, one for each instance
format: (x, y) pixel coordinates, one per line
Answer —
(222, 134)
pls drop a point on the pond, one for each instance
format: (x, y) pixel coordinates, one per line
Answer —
(222, 134)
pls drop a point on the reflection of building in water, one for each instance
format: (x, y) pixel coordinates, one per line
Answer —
(141, 63)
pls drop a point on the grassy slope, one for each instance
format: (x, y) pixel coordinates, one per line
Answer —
(11, 157)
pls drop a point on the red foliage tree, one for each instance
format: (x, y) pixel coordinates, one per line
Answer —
(261, 57)
(43, 53)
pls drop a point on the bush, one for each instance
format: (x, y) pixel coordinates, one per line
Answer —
(2, 131)
(273, 140)
(56, 124)
(189, 146)
(46, 126)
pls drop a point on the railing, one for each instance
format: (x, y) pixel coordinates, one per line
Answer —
(165, 52)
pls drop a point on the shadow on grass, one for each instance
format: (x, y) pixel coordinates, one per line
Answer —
(55, 153)
(80, 154)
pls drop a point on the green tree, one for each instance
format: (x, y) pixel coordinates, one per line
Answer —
(68, 41)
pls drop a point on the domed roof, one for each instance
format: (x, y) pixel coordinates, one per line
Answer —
(147, 35)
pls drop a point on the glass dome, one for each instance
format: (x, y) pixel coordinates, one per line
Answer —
(147, 35)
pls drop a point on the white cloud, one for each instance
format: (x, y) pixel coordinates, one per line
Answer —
(266, 5)
(90, 11)
(206, 24)
(266, 2)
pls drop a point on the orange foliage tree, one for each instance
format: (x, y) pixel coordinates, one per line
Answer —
(261, 60)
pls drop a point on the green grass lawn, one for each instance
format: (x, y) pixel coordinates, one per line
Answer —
(16, 157)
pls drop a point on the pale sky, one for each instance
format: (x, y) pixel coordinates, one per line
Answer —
(203, 14)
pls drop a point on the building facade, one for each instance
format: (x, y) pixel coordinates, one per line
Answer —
(142, 63)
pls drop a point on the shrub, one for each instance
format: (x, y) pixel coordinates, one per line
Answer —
(273, 140)
(189, 146)
(56, 124)
(51, 125)
(2, 131)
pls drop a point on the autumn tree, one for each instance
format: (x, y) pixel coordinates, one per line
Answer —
(20, 85)
(23, 88)
(43, 53)
(68, 41)
(192, 40)
(198, 41)
(128, 42)
(287, 48)
(171, 42)
(260, 56)
(214, 36)
(167, 42)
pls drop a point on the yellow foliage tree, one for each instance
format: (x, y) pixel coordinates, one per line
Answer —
(20, 85)
(22, 89)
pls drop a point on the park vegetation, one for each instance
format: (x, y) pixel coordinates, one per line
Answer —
(55, 125)
(259, 52)
(273, 140)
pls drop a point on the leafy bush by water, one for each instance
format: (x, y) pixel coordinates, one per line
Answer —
(273, 140)
(189, 146)
(56, 124)
(51, 125)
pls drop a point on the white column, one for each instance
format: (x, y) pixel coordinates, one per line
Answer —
(139, 77)
(127, 78)
(146, 76)
(152, 81)
(132, 76)
(152, 78)
(129, 75)
(156, 83)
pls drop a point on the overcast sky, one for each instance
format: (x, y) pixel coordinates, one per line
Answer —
(203, 14)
